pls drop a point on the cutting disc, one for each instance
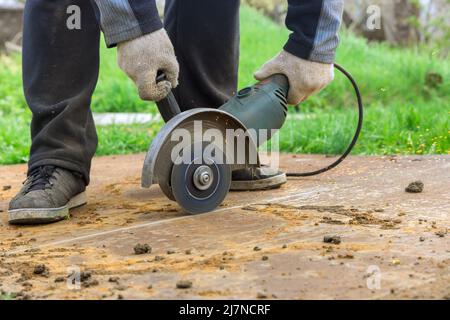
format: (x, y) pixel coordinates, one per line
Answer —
(200, 185)
(165, 162)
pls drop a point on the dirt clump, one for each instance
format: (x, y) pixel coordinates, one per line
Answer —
(142, 248)
(345, 256)
(441, 233)
(184, 284)
(332, 239)
(41, 269)
(330, 220)
(90, 283)
(415, 187)
(85, 276)
(261, 295)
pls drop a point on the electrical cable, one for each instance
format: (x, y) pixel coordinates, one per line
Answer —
(355, 137)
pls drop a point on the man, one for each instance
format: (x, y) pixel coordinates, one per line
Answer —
(60, 70)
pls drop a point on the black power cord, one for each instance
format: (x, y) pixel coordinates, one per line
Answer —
(355, 137)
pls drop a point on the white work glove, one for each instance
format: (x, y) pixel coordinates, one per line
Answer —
(305, 77)
(143, 57)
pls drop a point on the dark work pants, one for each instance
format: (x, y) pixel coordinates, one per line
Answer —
(60, 71)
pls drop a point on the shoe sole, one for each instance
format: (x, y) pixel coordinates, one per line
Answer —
(45, 215)
(262, 184)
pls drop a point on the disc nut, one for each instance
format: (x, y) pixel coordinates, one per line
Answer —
(203, 177)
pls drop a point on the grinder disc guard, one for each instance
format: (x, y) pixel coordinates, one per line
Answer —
(159, 162)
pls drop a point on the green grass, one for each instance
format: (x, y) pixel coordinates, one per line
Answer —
(403, 115)
(7, 296)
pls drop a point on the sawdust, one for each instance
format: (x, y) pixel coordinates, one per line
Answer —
(295, 214)
(213, 293)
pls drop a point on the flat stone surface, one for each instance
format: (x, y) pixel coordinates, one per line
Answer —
(393, 244)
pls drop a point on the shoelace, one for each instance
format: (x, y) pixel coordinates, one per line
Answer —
(40, 178)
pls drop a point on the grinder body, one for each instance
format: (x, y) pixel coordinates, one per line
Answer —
(262, 106)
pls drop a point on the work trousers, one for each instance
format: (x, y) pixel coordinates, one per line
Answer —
(61, 66)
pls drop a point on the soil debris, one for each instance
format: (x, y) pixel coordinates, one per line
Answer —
(415, 187)
(120, 288)
(142, 248)
(82, 276)
(332, 239)
(441, 233)
(265, 258)
(261, 295)
(256, 248)
(6, 188)
(90, 283)
(113, 279)
(357, 216)
(85, 275)
(184, 284)
(330, 220)
(41, 269)
(345, 256)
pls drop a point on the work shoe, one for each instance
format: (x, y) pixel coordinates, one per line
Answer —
(259, 178)
(46, 196)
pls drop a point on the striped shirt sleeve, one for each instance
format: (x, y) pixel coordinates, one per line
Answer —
(123, 20)
(315, 25)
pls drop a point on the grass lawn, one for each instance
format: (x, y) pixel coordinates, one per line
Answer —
(403, 114)
(7, 296)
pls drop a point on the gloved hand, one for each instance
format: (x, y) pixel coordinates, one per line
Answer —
(143, 57)
(305, 77)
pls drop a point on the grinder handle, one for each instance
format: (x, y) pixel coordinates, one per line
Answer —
(168, 107)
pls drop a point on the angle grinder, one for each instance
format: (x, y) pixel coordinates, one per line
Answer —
(193, 155)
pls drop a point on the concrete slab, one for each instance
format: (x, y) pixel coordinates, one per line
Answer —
(394, 244)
